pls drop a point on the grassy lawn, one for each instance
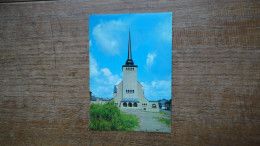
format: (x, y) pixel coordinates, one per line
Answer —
(109, 117)
(165, 121)
(130, 122)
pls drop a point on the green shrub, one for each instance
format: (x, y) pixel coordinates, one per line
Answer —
(109, 117)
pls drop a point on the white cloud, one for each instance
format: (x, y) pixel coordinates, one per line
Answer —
(93, 66)
(156, 90)
(150, 59)
(103, 80)
(162, 84)
(90, 43)
(153, 83)
(106, 83)
(106, 71)
(107, 35)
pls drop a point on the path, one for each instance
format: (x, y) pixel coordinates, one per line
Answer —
(147, 121)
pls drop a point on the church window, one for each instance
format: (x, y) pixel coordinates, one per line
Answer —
(129, 104)
(124, 104)
(135, 104)
(154, 105)
(133, 91)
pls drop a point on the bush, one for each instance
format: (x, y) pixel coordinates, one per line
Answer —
(109, 117)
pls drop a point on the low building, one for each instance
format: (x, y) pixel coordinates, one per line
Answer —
(99, 100)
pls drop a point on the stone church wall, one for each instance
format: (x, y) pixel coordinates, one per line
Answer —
(44, 72)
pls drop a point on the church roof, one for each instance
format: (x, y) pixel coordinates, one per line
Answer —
(129, 100)
(129, 61)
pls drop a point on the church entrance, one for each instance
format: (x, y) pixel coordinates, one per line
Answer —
(129, 104)
(124, 104)
(135, 104)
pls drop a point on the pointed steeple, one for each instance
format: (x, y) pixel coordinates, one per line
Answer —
(129, 60)
(129, 48)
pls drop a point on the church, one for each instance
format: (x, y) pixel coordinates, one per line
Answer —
(129, 92)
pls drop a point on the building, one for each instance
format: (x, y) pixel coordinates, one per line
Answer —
(129, 92)
(99, 100)
(164, 104)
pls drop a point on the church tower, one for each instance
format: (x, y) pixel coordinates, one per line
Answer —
(129, 92)
(130, 77)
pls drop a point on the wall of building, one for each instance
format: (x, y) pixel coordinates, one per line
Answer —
(44, 72)
(129, 82)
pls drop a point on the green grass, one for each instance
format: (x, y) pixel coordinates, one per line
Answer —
(165, 121)
(109, 117)
(130, 122)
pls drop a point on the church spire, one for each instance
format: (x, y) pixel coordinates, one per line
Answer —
(129, 48)
(129, 61)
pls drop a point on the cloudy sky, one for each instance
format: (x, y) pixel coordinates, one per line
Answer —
(151, 41)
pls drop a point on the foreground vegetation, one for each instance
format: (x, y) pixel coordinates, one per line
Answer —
(165, 121)
(109, 117)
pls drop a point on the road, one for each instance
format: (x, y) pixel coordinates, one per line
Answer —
(147, 121)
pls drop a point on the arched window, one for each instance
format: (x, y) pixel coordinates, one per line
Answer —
(124, 104)
(135, 104)
(129, 104)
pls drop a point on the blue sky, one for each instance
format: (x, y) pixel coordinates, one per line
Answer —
(151, 42)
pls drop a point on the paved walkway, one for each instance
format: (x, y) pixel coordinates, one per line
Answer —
(147, 121)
